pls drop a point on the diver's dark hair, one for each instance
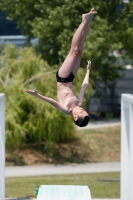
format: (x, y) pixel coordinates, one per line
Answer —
(82, 121)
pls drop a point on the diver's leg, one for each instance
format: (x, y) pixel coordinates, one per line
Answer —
(72, 61)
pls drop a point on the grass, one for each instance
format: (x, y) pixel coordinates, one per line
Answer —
(25, 186)
(95, 145)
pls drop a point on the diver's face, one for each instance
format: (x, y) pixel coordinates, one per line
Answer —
(78, 112)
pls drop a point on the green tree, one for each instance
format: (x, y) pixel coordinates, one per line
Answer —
(55, 21)
(28, 119)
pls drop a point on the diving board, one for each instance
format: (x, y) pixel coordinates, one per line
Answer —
(63, 192)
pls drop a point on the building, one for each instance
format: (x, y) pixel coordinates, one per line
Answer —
(110, 98)
(10, 34)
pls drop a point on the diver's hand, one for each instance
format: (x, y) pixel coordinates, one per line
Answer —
(32, 92)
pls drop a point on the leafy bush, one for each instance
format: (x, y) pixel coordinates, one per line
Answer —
(28, 119)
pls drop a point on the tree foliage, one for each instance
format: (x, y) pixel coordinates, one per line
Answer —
(28, 119)
(54, 23)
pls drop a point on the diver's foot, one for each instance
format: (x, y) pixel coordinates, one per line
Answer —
(89, 16)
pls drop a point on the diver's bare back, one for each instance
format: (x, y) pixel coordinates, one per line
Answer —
(66, 96)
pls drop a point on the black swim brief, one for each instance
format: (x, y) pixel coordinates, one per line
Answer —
(70, 78)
